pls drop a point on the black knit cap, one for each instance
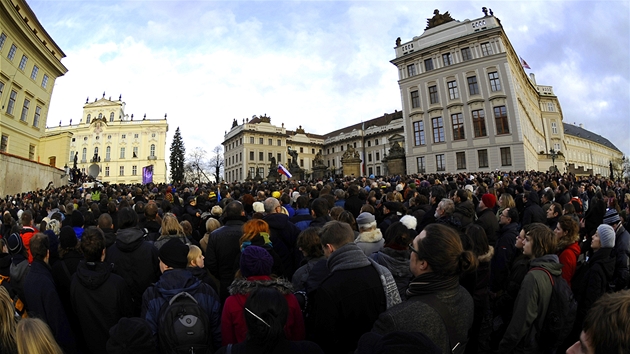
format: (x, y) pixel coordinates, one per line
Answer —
(131, 335)
(77, 219)
(15, 244)
(174, 253)
(67, 237)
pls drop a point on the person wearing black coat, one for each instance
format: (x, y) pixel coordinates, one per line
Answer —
(532, 213)
(223, 247)
(134, 259)
(504, 249)
(487, 218)
(283, 235)
(99, 297)
(353, 204)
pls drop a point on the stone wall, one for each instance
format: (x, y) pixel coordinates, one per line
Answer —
(19, 175)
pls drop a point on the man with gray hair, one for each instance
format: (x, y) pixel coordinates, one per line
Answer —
(444, 214)
(283, 234)
(350, 299)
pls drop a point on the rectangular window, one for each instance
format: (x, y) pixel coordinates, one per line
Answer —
(556, 146)
(461, 160)
(302, 149)
(11, 104)
(108, 152)
(260, 141)
(433, 94)
(340, 148)
(122, 153)
(458, 126)
(550, 107)
(38, 113)
(252, 172)
(479, 123)
(134, 170)
(12, 52)
(495, 83)
(24, 115)
(279, 158)
(45, 81)
(418, 133)
(506, 157)
(4, 142)
(438, 129)
(370, 157)
(270, 156)
(378, 156)
(279, 142)
(466, 54)
(378, 170)
(260, 156)
(251, 139)
(486, 49)
(135, 152)
(122, 170)
(23, 62)
(415, 99)
(3, 38)
(301, 162)
(421, 164)
(135, 136)
(554, 128)
(446, 58)
(123, 136)
(1, 88)
(106, 171)
(439, 162)
(428, 64)
(411, 70)
(453, 92)
(270, 141)
(482, 155)
(34, 72)
(501, 119)
(370, 171)
(473, 88)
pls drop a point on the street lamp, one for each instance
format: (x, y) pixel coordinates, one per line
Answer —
(554, 154)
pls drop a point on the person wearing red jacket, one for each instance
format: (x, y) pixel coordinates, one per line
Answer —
(568, 250)
(255, 269)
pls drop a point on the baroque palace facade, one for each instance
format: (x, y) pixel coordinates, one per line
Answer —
(468, 106)
(112, 141)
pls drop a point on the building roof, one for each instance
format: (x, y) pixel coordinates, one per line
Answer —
(380, 121)
(579, 132)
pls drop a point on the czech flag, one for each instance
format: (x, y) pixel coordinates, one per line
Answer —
(524, 63)
(284, 171)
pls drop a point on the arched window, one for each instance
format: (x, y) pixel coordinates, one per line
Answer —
(84, 154)
(108, 152)
(89, 118)
(111, 117)
(152, 150)
(96, 150)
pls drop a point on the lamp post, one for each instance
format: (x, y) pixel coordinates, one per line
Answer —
(554, 154)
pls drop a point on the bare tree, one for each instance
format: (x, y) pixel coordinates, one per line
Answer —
(196, 166)
(217, 162)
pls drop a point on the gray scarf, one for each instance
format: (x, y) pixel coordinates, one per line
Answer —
(350, 256)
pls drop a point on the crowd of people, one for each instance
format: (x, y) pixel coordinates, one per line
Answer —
(514, 262)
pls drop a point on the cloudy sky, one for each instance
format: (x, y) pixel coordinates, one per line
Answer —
(320, 64)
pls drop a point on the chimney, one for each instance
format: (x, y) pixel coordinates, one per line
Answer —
(581, 125)
(533, 78)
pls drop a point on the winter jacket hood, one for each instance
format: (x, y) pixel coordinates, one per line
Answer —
(486, 257)
(130, 239)
(175, 281)
(549, 262)
(246, 286)
(93, 274)
(370, 236)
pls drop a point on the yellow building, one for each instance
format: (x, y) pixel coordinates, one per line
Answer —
(30, 62)
(468, 104)
(119, 145)
(588, 153)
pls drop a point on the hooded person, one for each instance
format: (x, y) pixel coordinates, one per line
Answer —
(100, 298)
(370, 237)
(255, 270)
(19, 268)
(77, 221)
(134, 259)
(175, 279)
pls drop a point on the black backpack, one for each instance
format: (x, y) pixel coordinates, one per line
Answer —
(560, 313)
(183, 326)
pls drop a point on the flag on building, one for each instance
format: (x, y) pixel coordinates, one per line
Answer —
(524, 63)
(284, 171)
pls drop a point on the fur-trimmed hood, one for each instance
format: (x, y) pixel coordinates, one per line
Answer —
(370, 236)
(246, 286)
(488, 256)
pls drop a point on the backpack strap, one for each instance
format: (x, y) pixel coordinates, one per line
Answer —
(437, 305)
(546, 271)
(65, 269)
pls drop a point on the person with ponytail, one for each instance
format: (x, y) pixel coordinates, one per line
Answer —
(436, 304)
(266, 312)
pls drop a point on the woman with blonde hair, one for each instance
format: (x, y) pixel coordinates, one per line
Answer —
(211, 225)
(505, 201)
(8, 322)
(170, 229)
(34, 337)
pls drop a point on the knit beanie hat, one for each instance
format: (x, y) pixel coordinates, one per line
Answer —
(606, 236)
(15, 244)
(174, 253)
(77, 219)
(611, 216)
(255, 261)
(258, 207)
(67, 237)
(409, 221)
(365, 218)
(131, 335)
(489, 200)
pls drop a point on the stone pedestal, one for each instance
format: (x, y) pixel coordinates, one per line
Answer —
(396, 166)
(297, 173)
(351, 167)
(319, 172)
